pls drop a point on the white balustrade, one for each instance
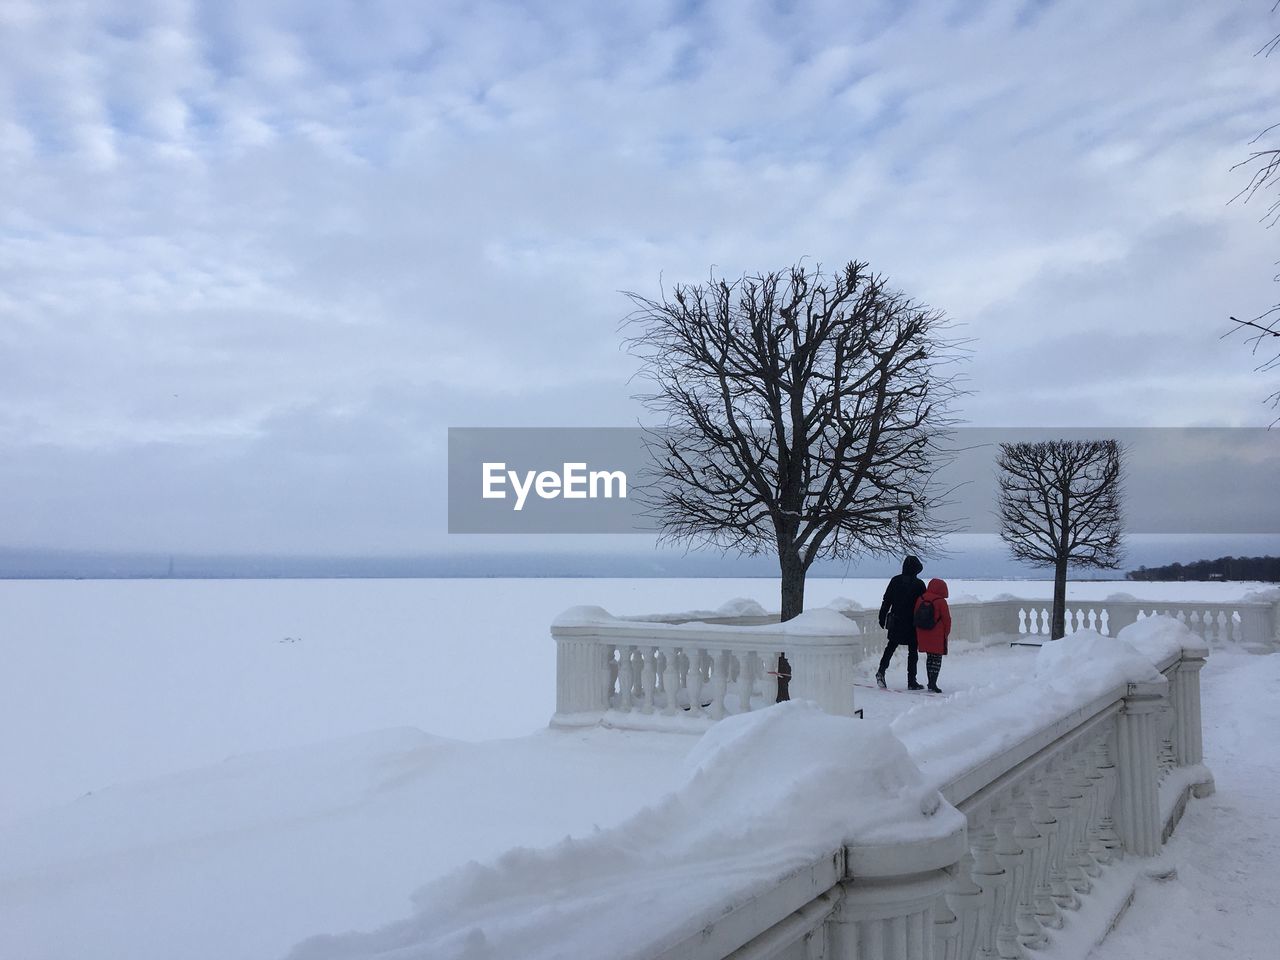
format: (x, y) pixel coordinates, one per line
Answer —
(663, 666)
(644, 673)
(1043, 819)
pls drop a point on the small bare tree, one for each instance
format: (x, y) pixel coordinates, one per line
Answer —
(802, 416)
(1060, 506)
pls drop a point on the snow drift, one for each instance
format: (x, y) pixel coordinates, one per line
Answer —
(765, 793)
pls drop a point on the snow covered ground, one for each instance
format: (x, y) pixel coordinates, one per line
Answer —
(352, 808)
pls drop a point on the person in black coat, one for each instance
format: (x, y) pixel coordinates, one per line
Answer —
(897, 616)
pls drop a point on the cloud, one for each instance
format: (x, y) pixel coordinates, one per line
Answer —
(231, 231)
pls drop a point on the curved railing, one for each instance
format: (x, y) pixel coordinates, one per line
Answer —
(1050, 808)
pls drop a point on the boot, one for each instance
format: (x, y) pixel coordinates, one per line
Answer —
(880, 682)
(932, 667)
(913, 685)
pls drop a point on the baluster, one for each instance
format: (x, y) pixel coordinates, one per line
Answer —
(746, 676)
(1073, 795)
(1022, 621)
(946, 930)
(637, 672)
(1094, 783)
(1108, 836)
(1011, 858)
(1030, 934)
(648, 678)
(964, 897)
(612, 666)
(693, 680)
(720, 685)
(1047, 911)
(1063, 893)
(670, 681)
(1082, 863)
(624, 678)
(769, 677)
(1104, 622)
(990, 876)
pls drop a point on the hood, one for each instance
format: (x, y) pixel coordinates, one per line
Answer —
(937, 587)
(912, 565)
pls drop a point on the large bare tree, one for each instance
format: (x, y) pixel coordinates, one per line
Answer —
(802, 415)
(1059, 506)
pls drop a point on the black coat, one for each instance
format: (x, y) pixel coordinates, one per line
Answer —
(897, 612)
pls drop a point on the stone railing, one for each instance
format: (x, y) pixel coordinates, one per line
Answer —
(634, 673)
(1050, 815)
(671, 670)
(1095, 791)
(1253, 623)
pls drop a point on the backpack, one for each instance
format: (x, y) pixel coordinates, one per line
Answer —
(926, 618)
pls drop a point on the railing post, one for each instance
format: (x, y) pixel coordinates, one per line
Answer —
(822, 674)
(582, 675)
(1137, 799)
(1188, 736)
(887, 912)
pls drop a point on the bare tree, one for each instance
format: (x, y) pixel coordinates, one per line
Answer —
(1060, 506)
(1263, 167)
(803, 412)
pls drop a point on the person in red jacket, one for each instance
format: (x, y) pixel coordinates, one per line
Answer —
(933, 628)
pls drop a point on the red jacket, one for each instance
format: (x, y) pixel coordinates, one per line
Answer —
(934, 640)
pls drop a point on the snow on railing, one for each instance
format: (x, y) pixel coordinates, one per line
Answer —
(1102, 754)
(631, 672)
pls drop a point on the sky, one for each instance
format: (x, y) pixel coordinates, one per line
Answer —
(256, 258)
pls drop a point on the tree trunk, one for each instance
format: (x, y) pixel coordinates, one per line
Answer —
(792, 588)
(1058, 625)
(793, 572)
